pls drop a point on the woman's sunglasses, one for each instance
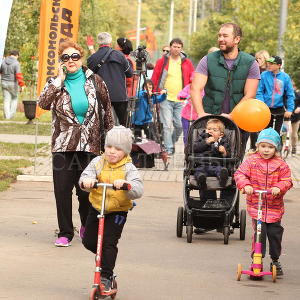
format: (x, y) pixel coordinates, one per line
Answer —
(74, 56)
(167, 51)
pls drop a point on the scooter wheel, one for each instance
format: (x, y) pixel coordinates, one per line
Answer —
(115, 287)
(274, 273)
(95, 294)
(239, 272)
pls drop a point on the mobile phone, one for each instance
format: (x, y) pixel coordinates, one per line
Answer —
(64, 69)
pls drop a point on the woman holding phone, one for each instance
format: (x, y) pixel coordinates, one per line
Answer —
(81, 116)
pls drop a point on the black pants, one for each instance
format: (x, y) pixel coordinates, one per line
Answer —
(138, 130)
(67, 168)
(149, 131)
(253, 139)
(274, 232)
(113, 227)
(121, 111)
(278, 122)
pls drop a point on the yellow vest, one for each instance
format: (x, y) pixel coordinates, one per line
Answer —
(115, 200)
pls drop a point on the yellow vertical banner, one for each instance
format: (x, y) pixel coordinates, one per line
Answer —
(59, 19)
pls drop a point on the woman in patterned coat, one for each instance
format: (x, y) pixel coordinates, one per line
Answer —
(81, 116)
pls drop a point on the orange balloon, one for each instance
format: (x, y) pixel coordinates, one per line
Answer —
(252, 115)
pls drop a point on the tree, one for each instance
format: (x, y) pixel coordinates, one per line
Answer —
(259, 21)
(105, 15)
(22, 35)
(292, 43)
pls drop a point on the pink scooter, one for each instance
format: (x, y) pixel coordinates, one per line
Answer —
(97, 291)
(256, 268)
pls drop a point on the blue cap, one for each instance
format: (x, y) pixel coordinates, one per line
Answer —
(270, 136)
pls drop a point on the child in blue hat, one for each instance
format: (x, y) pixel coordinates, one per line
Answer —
(266, 170)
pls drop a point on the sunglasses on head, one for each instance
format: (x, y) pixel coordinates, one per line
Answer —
(74, 56)
(165, 50)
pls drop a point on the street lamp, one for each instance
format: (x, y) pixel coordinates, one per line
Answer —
(282, 26)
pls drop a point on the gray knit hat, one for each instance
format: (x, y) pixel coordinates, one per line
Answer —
(119, 137)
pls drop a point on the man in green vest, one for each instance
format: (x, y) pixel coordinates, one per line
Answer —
(227, 76)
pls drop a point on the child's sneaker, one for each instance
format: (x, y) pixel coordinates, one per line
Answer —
(279, 271)
(223, 177)
(294, 151)
(62, 242)
(107, 284)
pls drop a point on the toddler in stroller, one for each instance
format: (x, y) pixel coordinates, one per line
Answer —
(211, 173)
(212, 142)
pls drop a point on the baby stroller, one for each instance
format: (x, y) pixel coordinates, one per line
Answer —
(214, 212)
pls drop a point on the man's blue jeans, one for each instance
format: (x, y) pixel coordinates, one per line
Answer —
(10, 98)
(170, 116)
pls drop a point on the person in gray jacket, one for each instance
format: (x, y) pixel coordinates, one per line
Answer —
(114, 167)
(11, 78)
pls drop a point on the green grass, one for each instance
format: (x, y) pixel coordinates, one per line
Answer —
(13, 128)
(9, 171)
(21, 149)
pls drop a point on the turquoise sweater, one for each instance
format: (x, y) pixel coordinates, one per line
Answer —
(74, 84)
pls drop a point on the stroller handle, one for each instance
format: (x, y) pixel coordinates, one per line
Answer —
(125, 186)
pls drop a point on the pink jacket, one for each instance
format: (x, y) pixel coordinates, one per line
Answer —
(188, 111)
(263, 174)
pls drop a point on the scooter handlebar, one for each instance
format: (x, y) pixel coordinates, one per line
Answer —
(125, 186)
(263, 191)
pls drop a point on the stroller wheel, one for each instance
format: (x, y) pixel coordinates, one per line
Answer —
(189, 233)
(243, 225)
(179, 227)
(226, 233)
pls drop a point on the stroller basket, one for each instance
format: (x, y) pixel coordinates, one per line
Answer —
(217, 204)
(221, 204)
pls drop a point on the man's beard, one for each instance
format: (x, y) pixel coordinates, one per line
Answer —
(228, 49)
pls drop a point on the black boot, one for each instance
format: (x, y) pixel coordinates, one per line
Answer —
(276, 263)
(223, 177)
(201, 181)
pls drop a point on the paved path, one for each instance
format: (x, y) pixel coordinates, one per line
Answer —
(153, 264)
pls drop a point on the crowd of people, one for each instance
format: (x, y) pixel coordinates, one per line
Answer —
(88, 101)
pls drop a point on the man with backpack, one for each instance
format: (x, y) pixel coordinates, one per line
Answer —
(113, 67)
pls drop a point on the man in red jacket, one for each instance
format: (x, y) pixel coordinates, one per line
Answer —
(172, 72)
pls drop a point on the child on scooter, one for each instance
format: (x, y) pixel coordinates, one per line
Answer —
(114, 167)
(266, 170)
